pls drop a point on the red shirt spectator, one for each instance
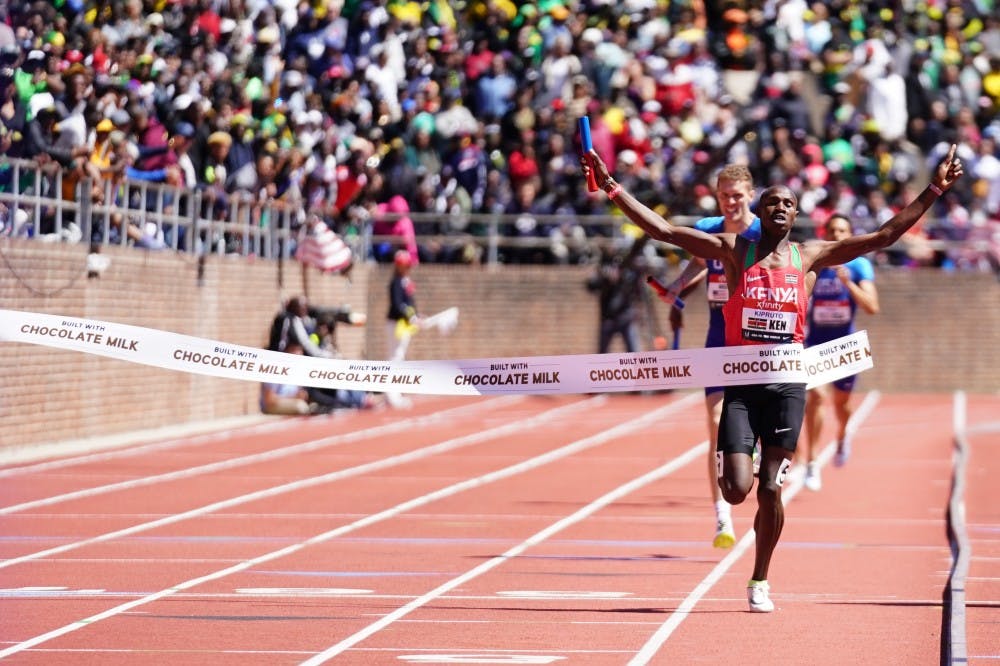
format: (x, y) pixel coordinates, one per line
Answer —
(210, 22)
(523, 165)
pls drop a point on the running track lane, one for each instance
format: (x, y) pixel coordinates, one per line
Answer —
(548, 421)
(982, 522)
(601, 579)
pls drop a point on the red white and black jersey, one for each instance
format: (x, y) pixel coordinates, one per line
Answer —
(769, 305)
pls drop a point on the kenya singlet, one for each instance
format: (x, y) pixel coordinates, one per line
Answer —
(769, 306)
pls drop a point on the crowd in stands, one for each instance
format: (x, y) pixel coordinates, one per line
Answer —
(344, 110)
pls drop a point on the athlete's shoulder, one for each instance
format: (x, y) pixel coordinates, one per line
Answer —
(752, 232)
(861, 269)
(711, 225)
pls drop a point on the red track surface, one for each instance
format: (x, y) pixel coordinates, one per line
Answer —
(501, 530)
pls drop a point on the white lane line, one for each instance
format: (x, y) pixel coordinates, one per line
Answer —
(480, 658)
(660, 636)
(231, 463)
(365, 468)
(301, 592)
(526, 465)
(955, 645)
(601, 502)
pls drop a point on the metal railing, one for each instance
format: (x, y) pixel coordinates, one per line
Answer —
(47, 201)
(44, 200)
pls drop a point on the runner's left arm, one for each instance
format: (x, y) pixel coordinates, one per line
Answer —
(860, 283)
(832, 253)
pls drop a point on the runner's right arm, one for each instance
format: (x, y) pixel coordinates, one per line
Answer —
(698, 243)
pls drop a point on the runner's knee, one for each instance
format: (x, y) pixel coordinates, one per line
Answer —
(733, 494)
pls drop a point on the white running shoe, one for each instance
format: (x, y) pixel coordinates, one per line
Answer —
(843, 452)
(725, 537)
(758, 595)
(813, 481)
(755, 457)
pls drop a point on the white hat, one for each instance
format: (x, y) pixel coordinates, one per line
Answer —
(182, 101)
(293, 78)
(315, 49)
(651, 106)
(780, 80)
(41, 101)
(628, 157)
(592, 35)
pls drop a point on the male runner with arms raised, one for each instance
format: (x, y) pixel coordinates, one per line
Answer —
(733, 193)
(768, 279)
(838, 293)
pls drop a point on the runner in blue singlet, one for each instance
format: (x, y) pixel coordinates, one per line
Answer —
(836, 296)
(733, 193)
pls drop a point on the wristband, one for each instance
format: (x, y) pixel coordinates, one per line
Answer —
(615, 191)
(935, 189)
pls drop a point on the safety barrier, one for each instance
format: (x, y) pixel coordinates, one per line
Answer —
(43, 200)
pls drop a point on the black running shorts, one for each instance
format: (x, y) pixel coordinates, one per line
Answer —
(772, 412)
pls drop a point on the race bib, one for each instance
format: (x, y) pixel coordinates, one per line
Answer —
(768, 325)
(831, 313)
(718, 290)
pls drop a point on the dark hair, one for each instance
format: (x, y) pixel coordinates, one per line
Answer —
(838, 216)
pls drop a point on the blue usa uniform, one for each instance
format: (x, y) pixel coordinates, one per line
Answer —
(832, 308)
(717, 289)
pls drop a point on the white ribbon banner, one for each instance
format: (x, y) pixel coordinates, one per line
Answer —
(579, 373)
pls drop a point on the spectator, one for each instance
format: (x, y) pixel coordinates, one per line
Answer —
(495, 89)
(394, 220)
(684, 86)
(325, 337)
(468, 165)
(294, 325)
(42, 133)
(213, 183)
(618, 282)
(180, 153)
(285, 399)
(523, 163)
(402, 319)
(13, 115)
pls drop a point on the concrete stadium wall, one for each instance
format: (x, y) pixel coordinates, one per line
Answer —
(937, 331)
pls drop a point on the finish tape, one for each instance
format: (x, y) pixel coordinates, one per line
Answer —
(529, 375)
